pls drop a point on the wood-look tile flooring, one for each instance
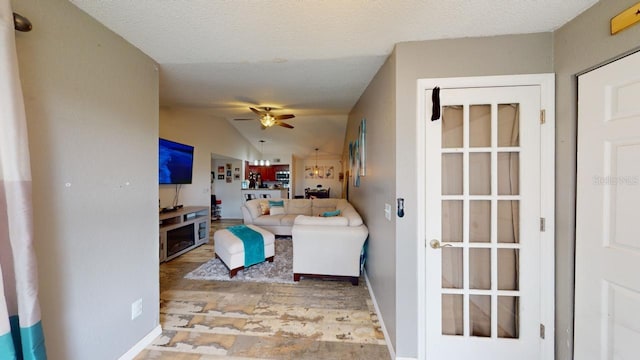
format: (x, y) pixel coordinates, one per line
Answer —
(313, 319)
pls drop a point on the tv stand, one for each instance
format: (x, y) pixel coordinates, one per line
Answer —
(182, 230)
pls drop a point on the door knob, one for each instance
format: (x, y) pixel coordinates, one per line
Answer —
(435, 244)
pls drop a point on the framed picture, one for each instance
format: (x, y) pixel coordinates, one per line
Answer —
(357, 154)
(329, 172)
(221, 169)
(220, 177)
(236, 170)
(236, 176)
(308, 172)
(229, 173)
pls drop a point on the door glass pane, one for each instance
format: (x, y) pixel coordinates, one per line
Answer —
(480, 126)
(508, 269)
(508, 221)
(480, 315)
(451, 174)
(508, 317)
(452, 276)
(452, 126)
(480, 221)
(452, 221)
(480, 269)
(480, 173)
(452, 311)
(508, 125)
(508, 173)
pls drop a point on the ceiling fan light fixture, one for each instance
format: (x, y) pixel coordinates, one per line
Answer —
(316, 169)
(267, 120)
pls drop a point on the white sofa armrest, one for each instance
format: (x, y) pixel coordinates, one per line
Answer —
(328, 249)
(246, 215)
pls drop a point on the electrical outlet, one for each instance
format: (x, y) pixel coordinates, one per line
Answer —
(136, 309)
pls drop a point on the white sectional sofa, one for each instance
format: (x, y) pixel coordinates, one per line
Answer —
(322, 246)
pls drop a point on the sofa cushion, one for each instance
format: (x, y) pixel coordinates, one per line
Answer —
(276, 203)
(269, 220)
(317, 220)
(276, 210)
(349, 212)
(264, 208)
(331, 213)
(298, 206)
(288, 220)
(323, 205)
(254, 208)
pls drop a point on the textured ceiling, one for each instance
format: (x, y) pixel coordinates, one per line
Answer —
(310, 58)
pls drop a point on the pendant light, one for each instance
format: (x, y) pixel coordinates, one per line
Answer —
(262, 162)
(316, 170)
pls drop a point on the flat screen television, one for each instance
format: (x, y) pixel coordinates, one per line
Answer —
(175, 162)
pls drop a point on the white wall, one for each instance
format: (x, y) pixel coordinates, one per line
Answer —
(92, 112)
(209, 135)
(284, 158)
(297, 176)
(579, 45)
(229, 193)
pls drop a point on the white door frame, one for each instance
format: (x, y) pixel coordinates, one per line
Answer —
(547, 192)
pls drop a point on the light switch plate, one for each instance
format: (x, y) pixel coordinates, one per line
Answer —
(136, 309)
(387, 211)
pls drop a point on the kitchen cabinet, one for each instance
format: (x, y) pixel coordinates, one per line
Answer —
(267, 173)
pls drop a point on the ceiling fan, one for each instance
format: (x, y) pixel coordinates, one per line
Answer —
(268, 120)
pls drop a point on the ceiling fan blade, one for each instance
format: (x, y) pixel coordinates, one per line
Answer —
(243, 119)
(284, 117)
(256, 111)
(284, 125)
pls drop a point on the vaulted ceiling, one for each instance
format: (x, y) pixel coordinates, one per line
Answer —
(310, 58)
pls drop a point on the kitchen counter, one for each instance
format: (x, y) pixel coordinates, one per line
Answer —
(265, 193)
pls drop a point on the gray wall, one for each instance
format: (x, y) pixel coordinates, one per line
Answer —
(377, 105)
(92, 112)
(579, 45)
(501, 55)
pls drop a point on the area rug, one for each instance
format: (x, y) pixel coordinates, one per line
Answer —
(279, 271)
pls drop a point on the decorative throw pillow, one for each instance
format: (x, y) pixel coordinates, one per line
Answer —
(277, 210)
(331, 213)
(276, 203)
(264, 208)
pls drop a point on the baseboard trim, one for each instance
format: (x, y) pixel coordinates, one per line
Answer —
(137, 348)
(392, 351)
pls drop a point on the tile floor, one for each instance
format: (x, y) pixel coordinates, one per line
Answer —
(313, 319)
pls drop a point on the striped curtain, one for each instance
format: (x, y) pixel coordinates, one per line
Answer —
(21, 334)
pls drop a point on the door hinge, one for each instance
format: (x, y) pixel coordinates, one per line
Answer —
(543, 225)
(543, 116)
(541, 331)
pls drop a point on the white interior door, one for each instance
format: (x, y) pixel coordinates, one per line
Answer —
(607, 297)
(483, 207)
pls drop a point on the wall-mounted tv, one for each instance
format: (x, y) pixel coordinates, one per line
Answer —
(175, 162)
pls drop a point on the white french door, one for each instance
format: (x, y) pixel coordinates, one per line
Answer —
(483, 224)
(607, 297)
